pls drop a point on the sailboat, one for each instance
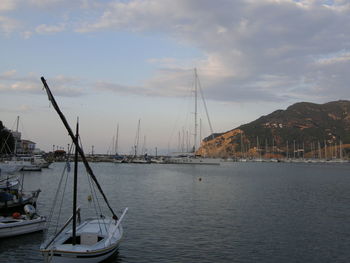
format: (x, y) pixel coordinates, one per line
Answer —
(91, 240)
(192, 158)
(117, 158)
(143, 158)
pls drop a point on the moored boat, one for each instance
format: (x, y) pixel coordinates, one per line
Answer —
(12, 198)
(22, 224)
(192, 160)
(91, 240)
(10, 167)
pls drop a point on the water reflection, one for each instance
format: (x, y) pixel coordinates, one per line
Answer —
(238, 212)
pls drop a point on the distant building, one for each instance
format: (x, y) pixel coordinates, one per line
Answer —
(27, 146)
(59, 153)
(23, 146)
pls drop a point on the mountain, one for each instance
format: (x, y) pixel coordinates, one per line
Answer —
(311, 129)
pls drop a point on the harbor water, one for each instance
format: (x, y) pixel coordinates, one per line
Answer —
(235, 212)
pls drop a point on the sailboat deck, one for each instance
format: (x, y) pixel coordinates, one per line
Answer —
(92, 235)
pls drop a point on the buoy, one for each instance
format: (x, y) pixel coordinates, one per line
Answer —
(16, 215)
(200, 179)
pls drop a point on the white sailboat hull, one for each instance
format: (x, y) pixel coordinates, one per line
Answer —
(97, 240)
(10, 167)
(20, 226)
(74, 257)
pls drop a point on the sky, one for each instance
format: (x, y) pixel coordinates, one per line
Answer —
(115, 62)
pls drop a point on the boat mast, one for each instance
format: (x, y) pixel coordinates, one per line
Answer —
(116, 141)
(195, 110)
(75, 141)
(75, 186)
(293, 149)
(319, 150)
(200, 132)
(205, 106)
(341, 150)
(15, 150)
(137, 139)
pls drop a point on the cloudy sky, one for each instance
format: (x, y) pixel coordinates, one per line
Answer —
(118, 61)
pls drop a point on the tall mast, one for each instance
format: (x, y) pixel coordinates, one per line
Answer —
(293, 149)
(187, 142)
(303, 150)
(195, 110)
(75, 186)
(116, 140)
(75, 141)
(143, 151)
(319, 150)
(17, 122)
(241, 145)
(341, 150)
(200, 132)
(137, 139)
(183, 140)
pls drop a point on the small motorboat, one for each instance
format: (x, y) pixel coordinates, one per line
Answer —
(19, 224)
(12, 198)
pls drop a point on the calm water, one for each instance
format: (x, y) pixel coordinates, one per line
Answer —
(238, 212)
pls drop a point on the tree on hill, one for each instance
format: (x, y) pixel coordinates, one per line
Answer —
(7, 142)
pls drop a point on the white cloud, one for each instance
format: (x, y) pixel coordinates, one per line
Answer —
(26, 34)
(8, 74)
(12, 82)
(49, 29)
(8, 25)
(7, 5)
(334, 59)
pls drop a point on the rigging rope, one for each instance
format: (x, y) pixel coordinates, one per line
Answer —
(58, 190)
(60, 209)
(93, 193)
(76, 142)
(95, 197)
(206, 109)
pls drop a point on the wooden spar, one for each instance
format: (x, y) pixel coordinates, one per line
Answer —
(75, 188)
(76, 142)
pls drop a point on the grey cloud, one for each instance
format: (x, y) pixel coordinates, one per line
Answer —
(254, 50)
(11, 82)
(251, 39)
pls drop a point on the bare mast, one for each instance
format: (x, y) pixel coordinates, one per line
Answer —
(116, 141)
(76, 142)
(195, 110)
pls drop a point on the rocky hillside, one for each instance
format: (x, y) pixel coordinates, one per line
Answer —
(302, 129)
